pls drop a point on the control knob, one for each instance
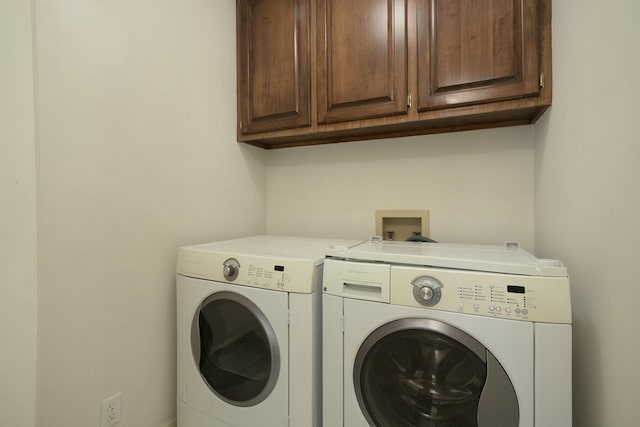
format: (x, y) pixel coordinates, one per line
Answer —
(231, 269)
(427, 290)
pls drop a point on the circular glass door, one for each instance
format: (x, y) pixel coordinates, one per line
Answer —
(419, 372)
(235, 349)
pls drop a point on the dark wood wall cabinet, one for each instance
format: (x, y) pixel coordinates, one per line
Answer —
(324, 71)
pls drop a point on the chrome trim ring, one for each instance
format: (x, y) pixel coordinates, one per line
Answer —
(387, 329)
(262, 320)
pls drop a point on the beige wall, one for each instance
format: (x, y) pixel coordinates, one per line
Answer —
(477, 185)
(18, 228)
(587, 198)
(137, 156)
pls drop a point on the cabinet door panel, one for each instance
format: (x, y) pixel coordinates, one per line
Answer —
(472, 51)
(273, 64)
(362, 59)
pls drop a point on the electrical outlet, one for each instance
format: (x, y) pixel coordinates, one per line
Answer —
(111, 410)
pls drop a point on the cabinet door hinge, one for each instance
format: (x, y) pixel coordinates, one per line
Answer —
(541, 80)
(409, 100)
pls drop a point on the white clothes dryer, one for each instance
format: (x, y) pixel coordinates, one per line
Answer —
(439, 335)
(249, 332)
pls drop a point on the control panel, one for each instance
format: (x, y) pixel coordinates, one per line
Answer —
(268, 275)
(526, 298)
(280, 274)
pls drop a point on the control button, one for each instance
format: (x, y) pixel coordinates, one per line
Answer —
(461, 305)
(492, 308)
(498, 309)
(476, 306)
(507, 310)
(518, 311)
(426, 293)
(525, 311)
(230, 269)
(427, 290)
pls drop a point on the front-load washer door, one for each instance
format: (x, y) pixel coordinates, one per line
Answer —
(422, 372)
(235, 349)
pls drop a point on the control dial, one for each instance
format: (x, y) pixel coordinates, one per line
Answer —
(427, 290)
(231, 269)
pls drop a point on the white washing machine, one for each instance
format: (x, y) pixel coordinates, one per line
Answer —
(249, 337)
(438, 335)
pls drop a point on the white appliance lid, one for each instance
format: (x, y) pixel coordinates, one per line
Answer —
(508, 259)
(277, 247)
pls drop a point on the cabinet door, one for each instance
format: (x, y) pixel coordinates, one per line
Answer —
(362, 59)
(273, 64)
(472, 51)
